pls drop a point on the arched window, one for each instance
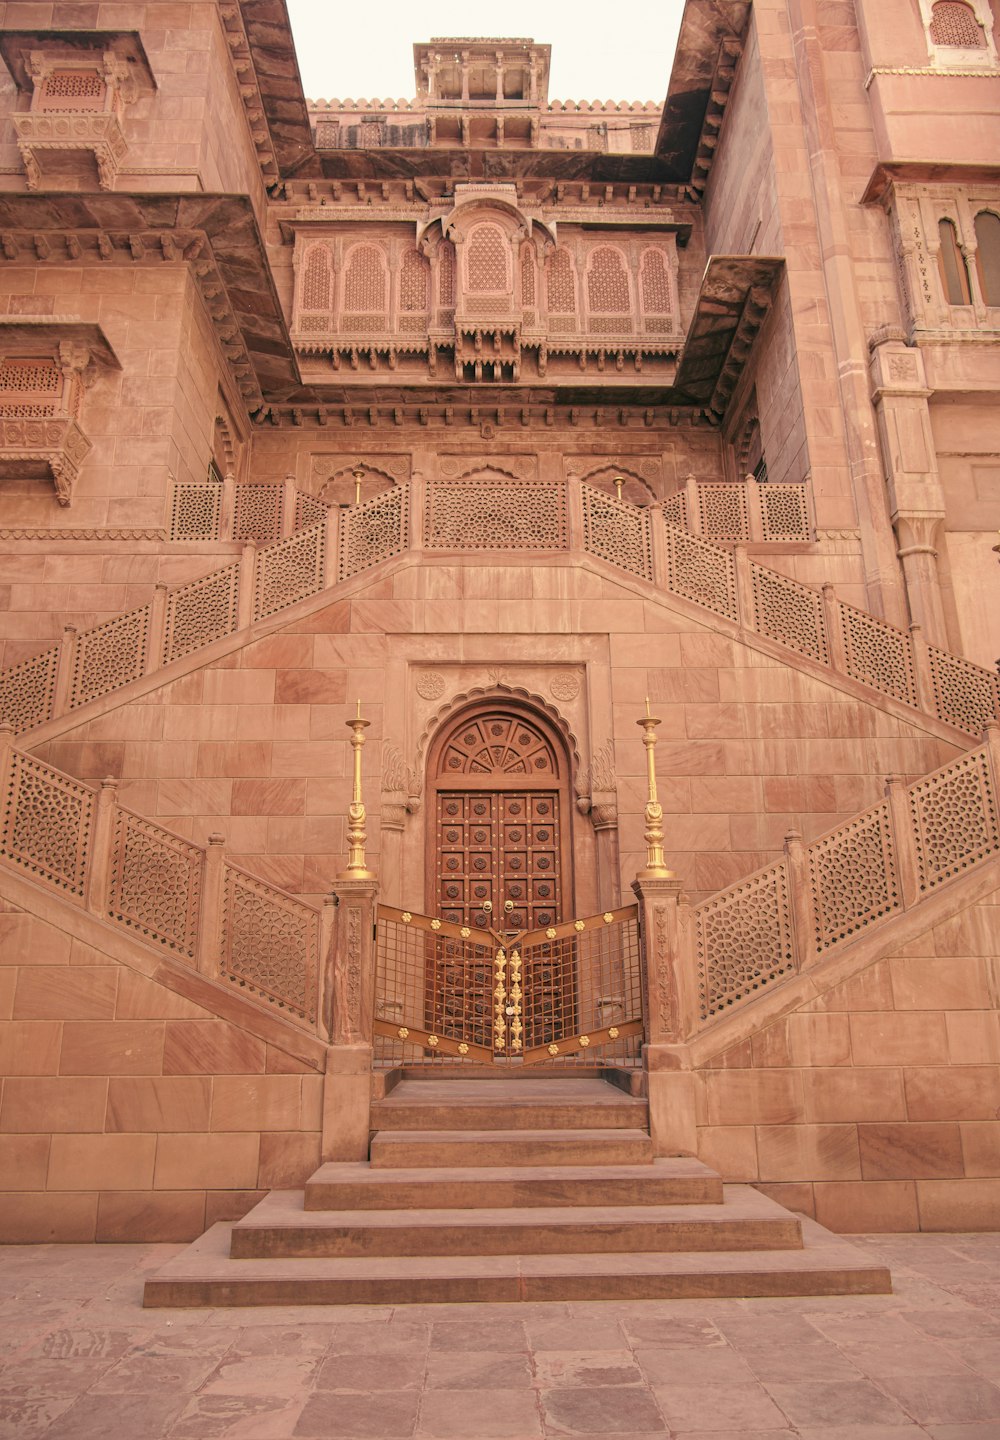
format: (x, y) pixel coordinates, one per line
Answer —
(953, 23)
(414, 283)
(487, 258)
(607, 282)
(951, 265)
(365, 282)
(988, 255)
(560, 285)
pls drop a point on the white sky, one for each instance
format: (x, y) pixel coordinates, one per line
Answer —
(365, 51)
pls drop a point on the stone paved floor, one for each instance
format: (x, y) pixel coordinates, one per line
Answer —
(79, 1359)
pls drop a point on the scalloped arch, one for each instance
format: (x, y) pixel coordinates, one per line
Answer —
(449, 712)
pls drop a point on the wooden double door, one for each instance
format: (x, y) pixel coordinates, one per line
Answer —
(501, 835)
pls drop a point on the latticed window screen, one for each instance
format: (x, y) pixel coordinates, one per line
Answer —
(953, 23)
(317, 278)
(486, 259)
(414, 275)
(73, 90)
(30, 389)
(655, 283)
(527, 276)
(561, 289)
(607, 282)
(446, 273)
(365, 281)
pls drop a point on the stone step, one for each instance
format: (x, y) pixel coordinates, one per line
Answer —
(206, 1275)
(571, 1104)
(278, 1227)
(409, 1149)
(677, 1180)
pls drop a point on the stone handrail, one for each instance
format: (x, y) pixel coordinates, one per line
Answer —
(476, 516)
(779, 921)
(184, 899)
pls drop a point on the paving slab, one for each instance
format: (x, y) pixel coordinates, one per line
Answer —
(82, 1359)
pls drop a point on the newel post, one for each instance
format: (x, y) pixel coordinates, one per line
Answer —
(349, 985)
(801, 899)
(212, 902)
(669, 979)
(102, 845)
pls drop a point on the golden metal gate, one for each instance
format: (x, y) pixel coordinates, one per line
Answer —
(457, 992)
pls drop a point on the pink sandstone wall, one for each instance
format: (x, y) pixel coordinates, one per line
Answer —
(191, 134)
(255, 745)
(877, 1105)
(126, 1111)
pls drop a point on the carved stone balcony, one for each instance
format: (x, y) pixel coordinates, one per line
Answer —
(51, 145)
(55, 447)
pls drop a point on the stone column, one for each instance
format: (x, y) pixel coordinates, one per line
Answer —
(668, 971)
(916, 497)
(349, 1004)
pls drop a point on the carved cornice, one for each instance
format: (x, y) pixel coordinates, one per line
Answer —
(267, 73)
(709, 47)
(96, 533)
(216, 234)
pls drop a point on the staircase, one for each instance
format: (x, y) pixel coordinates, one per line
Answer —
(504, 1190)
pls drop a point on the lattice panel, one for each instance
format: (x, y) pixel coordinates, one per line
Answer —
(783, 512)
(258, 512)
(560, 283)
(788, 612)
(655, 283)
(722, 511)
(954, 815)
(955, 24)
(744, 939)
(317, 279)
(27, 690)
(366, 280)
(852, 875)
(487, 259)
(201, 612)
(289, 571)
(702, 572)
(195, 511)
(964, 694)
(527, 276)
(155, 883)
(327, 135)
(109, 656)
(47, 823)
(414, 283)
(607, 281)
(309, 509)
(617, 531)
(73, 90)
(675, 510)
(446, 273)
(371, 133)
(30, 389)
(496, 515)
(877, 654)
(270, 945)
(374, 531)
(642, 137)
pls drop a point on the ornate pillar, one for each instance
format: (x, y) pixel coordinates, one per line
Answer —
(349, 986)
(916, 497)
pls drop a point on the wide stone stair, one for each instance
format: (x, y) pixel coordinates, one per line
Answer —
(502, 1190)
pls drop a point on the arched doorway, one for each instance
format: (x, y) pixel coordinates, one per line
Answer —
(499, 778)
(499, 781)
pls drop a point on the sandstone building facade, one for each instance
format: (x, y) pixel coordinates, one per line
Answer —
(481, 417)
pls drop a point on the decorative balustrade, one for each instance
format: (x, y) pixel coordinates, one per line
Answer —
(178, 896)
(779, 920)
(333, 544)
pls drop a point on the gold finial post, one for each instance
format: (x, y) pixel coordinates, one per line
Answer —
(656, 865)
(357, 816)
(619, 481)
(359, 475)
